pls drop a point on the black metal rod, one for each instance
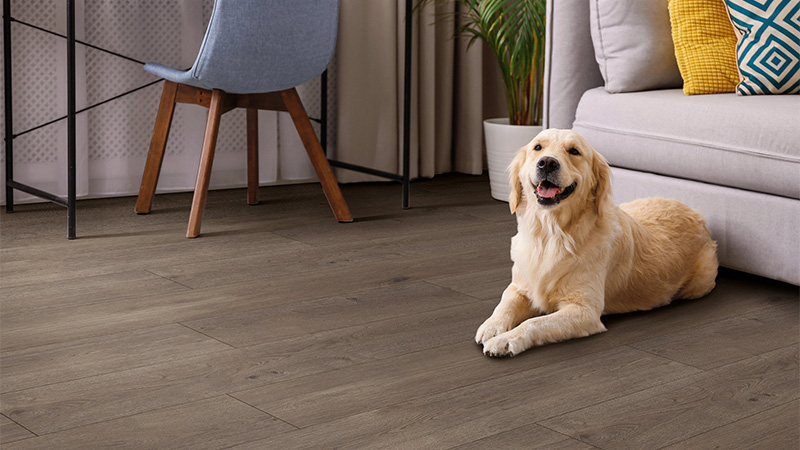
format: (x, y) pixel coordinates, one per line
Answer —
(89, 107)
(355, 168)
(71, 119)
(9, 132)
(45, 30)
(407, 110)
(323, 111)
(37, 192)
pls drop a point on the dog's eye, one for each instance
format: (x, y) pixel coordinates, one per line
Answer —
(538, 147)
(573, 151)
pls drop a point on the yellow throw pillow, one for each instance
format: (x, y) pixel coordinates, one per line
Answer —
(705, 46)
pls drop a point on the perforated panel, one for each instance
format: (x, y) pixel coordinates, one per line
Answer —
(153, 30)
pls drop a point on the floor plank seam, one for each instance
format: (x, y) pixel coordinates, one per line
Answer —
(459, 293)
(568, 436)
(232, 347)
(21, 426)
(267, 413)
(168, 279)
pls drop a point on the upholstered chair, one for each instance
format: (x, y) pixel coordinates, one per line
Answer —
(254, 54)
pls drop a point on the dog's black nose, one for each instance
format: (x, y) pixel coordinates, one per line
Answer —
(548, 164)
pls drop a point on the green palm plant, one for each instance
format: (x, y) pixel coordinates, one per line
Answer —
(514, 31)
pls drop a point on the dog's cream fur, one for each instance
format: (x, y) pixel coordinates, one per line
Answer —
(585, 257)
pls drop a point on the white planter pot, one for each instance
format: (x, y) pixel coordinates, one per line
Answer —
(503, 141)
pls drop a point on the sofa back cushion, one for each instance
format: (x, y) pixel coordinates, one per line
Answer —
(633, 46)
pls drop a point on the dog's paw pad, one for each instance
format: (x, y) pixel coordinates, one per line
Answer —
(490, 329)
(502, 346)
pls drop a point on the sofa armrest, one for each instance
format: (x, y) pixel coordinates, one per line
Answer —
(570, 68)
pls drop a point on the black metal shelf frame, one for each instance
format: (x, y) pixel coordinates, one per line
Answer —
(70, 201)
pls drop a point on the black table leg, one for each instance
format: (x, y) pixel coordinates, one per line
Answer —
(71, 119)
(9, 133)
(407, 109)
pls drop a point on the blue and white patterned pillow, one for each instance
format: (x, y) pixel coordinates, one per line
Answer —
(768, 51)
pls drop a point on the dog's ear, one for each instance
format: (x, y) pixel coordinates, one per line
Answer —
(515, 197)
(602, 187)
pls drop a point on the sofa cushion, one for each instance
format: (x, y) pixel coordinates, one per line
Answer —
(633, 45)
(744, 142)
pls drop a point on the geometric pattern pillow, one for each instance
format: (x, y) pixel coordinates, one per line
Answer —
(768, 48)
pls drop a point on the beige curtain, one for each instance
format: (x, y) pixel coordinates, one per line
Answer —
(453, 91)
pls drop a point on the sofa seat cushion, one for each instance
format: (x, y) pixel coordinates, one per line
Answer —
(750, 143)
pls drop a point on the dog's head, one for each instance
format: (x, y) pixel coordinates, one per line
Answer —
(558, 168)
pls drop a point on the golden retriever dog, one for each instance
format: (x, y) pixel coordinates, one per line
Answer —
(577, 255)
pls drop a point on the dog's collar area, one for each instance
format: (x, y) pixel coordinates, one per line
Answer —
(550, 201)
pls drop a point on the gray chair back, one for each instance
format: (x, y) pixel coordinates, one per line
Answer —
(254, 46)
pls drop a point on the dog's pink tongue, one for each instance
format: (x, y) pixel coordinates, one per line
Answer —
(547, 192)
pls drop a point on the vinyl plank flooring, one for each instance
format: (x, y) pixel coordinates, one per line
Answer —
(776, 428)
(676, 411)
(10, 431)
(215, 423)
(251, 327)
(58, 363)
(730, 340)
(472, 412)
(32, 329)
(484, 284)
(69, 264)
(238, 268)
(43, 296)
(359, 334)
(531, 437)
(61, 406)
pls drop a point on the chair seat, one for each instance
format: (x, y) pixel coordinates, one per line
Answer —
(175, 75)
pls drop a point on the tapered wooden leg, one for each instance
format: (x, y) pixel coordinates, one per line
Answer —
(317, 156)
(206, 160)
(252, 156)
(158, 143)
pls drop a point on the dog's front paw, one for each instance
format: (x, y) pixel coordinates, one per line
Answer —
(490, 328)
(506, 344)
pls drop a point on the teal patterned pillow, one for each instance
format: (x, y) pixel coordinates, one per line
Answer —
(768, 51)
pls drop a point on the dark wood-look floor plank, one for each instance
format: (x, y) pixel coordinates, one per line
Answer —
(676, 411)
(44, 296)
(58, 363)
(10, 431)
(478, 410)
(61, 406)
(729, 340)
(776, 428)
(215, 423)
(485, 284)
(241, 329)
(529, 437)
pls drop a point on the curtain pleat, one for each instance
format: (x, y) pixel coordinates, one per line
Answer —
(453, 90)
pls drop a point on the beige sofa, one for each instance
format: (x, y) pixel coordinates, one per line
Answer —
(735, 159)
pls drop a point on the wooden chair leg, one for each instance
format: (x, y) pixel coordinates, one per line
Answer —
(206, 159)
(158, 143)
(317, 156)
(252, 156)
